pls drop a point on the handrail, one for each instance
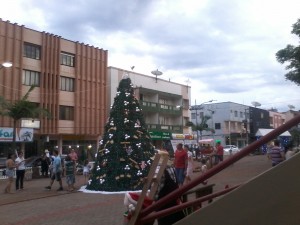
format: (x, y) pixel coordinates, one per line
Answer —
(182, 206)
(244, 152)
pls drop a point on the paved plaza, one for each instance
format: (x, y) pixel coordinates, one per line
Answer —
(37, 206)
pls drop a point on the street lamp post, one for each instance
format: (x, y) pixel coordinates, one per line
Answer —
(5, 65)
(196, 108)
(8, 65)
(212, 123)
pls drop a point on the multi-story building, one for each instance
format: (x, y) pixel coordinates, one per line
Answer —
(276, 119)
(232, 123)
(226, 122)
(70, 80)
(165, 104)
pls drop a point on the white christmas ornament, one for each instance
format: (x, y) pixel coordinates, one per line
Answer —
(126, 103)
(138, 145)
(127, 167)
(139, 173)
(127, 136)
(101, 181)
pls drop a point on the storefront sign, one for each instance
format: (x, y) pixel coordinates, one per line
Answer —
(159, 135)
(182, 136)
(22, 135)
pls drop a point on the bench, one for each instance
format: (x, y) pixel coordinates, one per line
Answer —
(198, 192)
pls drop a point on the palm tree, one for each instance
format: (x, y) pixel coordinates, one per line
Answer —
(21, 109)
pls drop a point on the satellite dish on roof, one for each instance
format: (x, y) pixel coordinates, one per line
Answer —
(255, 104)
(291, 107)
(156, 73)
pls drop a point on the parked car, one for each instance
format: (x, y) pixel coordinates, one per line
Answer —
(231, 148)
(2, 163)
(33, 161)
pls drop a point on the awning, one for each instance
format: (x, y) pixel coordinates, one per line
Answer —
(206, 141)
(263, 132)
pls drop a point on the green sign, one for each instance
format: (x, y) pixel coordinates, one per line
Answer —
(159, 135)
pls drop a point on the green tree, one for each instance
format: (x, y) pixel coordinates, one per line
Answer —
(202, 125)
(124, 154)
(21, 109)
(295, 132)
(291, 55)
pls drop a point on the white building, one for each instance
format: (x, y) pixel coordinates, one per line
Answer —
(165, 104)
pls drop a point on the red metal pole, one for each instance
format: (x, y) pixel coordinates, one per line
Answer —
(244, 152)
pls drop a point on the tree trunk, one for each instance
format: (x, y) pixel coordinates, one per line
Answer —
(14, 136)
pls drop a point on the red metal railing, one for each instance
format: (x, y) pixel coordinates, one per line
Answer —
(185, 205)
(145, 214)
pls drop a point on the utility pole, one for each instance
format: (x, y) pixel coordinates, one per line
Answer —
(245, 122)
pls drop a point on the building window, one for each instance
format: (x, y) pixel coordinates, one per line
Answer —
(67, 84)
(66, 112)
(217, 126)
(32, 51)
(193, 116)
(31, 78)
(241, 114)
(67, 59)
(201, 115)
(235, 113)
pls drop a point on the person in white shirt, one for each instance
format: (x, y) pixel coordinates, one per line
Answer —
(190, 165)
(20, 171)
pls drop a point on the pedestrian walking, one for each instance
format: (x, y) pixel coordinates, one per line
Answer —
(56, 172)
(73, 155)
(70, 173)
(20, 171)
(10, 167)
(276, 153)
(45, 163)
(219, 152)
(180, 163)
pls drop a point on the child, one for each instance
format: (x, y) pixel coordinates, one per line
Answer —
(86, 171)
(203, 169)
(70, 173)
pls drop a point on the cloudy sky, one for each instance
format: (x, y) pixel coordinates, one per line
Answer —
(224, 49)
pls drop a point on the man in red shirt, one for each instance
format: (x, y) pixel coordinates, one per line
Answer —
(219, 153)
(180, 163)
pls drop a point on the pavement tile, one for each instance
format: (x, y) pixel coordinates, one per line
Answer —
(37, 206)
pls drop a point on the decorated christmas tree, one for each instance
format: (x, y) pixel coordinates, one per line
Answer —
(123, 157)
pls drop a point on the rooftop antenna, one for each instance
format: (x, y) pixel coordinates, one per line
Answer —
(187, 84)
(132, 68)
(156, 73)
(291, 107)
(255, 104)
